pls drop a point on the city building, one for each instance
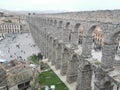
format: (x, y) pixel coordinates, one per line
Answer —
(98, 38)
(10, 28)
(15, 75)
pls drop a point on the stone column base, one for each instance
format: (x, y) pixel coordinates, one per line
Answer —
(87, 88)
(63, 70)
(99, 87)
(71, 78)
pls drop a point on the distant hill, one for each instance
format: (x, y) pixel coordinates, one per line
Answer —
(41, 12)
(35, 11)
(3, 10)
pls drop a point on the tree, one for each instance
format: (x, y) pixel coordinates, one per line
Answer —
(34, 59)
(40, 56)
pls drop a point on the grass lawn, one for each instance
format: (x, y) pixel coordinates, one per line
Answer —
(48, 78)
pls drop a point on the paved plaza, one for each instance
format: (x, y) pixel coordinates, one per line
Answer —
(18, 46)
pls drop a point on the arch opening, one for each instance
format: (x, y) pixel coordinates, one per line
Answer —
(65, 56)
(66, 33)
(80, 34)
(60, 23)
(74, 36)
(55, 22)
(111, 50)
(51, 22)
(93, 42)
(72, 70)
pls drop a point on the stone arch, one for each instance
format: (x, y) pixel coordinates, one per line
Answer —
(44, 20)
(80, 34)
(108, 55)
(101, 80)
(47, 44)
(67, 25)
(88, 41)
(67, 33)
(55, 42)
(108, 85)
(65, 56)
(50, 41)
(55, 23)
(76, 27)
(48, 21)
(51, 22)
(59, 29)
(113, 35)
(74, 36)
(72, 71)
(90, 31)
(87, 67)
(60, 24)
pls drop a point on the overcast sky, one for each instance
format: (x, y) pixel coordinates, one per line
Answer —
(69, 5)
